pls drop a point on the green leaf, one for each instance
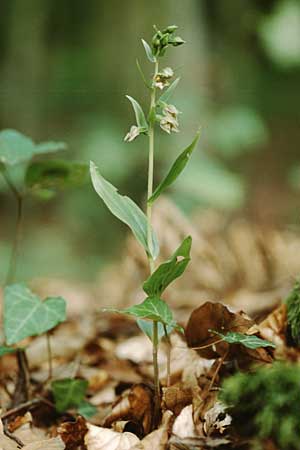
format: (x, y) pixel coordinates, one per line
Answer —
(49, 147)
(147, 328)
(124, 209)
(148, 51)
(16, 148)
(139, 114)
(293, 313)
(55, 175)
(87, 410)
(175, 170)
(169, 270)
(68, 393)
(249, 341)
(152, 308)
(164, 98)
(6, 350)
(26, 315)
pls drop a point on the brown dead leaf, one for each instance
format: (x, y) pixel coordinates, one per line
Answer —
(73, 433)
(175, 398)
(158, 439)
(216, 419)
(98, 438)
(216, 317)
(136, 405)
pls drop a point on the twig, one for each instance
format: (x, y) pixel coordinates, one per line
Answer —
(13, 437)
(17, 409)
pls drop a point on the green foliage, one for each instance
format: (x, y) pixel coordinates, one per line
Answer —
(167, 94)
(147, 329)
(152, 308)
(69, 393)
(139, 115)
(265, 404)
(6, 350)
(169, 271)
(249, 341)
(175, 170)
(26, 315)
(87, 410)
(148, 51)
(16, 148)
(125, 210)
(293, 313)
(163, 39)
(53, 175)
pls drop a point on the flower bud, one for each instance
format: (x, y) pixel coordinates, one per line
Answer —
(170, 29)
(176, 41)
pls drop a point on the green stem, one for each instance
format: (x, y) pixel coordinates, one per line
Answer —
(11, 274)
(150, 244)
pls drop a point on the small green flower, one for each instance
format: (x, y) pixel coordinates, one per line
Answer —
(169, 120)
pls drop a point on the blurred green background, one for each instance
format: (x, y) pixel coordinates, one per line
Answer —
(65, 67)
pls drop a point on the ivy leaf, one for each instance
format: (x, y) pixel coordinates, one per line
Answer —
(147, 328)
(26, 315)
(6, 350)
(55, 175)
(139, 114)
(169, 270)
(124, 209)
(175, 170)
(164, 98)
(148, 51)
(248, 340)
(16, 148)
(86, 409)
(68, 393)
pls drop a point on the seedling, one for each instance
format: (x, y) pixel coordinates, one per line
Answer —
(27, 174)
(164, 114)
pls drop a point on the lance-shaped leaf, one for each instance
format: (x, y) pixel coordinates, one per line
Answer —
(26, 315)
(125, 210)
(139, 114)
(164, 98)
(55, 175)
(68, 393)
(248, 340)
(175, 170)
(169, 270)
(152, 308)
(148, 51)
(16, 148)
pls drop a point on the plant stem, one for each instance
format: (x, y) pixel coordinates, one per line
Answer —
(150, 245)
(49, 351)
(11, 274)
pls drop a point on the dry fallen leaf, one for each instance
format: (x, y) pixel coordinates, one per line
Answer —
(183, 426)
(136, 405)
(73, 433)
(216, 317)
(98, 438)
(47, 444)
(158, 439)
(216, 419)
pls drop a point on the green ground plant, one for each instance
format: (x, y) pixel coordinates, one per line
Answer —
(154, 316)
(265, 404)
(27, 172)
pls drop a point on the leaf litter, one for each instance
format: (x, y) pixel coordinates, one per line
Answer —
(113, 359)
